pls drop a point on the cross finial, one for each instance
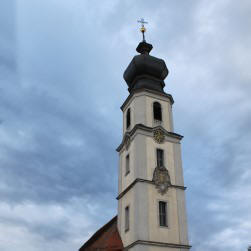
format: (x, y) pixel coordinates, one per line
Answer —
(143, 29)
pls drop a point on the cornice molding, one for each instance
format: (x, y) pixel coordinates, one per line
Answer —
(145, 181)
(159, 244)
(127, 136)
(163, 94)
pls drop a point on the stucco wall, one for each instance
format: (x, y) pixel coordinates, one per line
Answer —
(141, 106)
(143, 198)
(157, 233)
(127, 236)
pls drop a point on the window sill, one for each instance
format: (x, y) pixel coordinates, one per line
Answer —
(157, 122)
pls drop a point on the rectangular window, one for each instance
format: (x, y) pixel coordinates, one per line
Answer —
(127, 212)
(160, 157)
(162, 213)
(127, 167)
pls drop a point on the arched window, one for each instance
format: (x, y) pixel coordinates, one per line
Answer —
(157, 114)
(128, 118)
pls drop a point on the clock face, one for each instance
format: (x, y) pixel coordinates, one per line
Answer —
(158, 136)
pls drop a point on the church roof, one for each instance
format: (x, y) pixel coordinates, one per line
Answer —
(145, 71)
(106, 238)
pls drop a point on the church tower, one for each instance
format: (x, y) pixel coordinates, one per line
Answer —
(151, 193)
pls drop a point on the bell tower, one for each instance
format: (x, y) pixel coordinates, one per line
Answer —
(151, 193)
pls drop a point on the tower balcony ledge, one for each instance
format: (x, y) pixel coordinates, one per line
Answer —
(128, 135)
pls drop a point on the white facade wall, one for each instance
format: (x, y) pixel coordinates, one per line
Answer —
(143, 197)
(141, 106)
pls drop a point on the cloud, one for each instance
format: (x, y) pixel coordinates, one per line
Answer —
(47, 226)
(61, 86)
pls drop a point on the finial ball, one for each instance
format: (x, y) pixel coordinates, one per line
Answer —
(143, 29)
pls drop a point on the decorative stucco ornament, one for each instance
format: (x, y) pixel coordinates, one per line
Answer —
(158, 136)
(161, 179)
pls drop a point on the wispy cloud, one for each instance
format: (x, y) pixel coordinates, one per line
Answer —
(61, 86)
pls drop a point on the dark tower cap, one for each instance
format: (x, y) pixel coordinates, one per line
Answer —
(145, 71)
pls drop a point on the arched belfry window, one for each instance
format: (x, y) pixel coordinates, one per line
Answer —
(157, 113)
(128, 118)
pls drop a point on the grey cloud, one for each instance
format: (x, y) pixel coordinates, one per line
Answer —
(61, 88)
(49, 231)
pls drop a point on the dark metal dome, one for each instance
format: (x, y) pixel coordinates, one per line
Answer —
(145, 71)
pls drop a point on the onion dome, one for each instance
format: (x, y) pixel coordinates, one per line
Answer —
(145, 71)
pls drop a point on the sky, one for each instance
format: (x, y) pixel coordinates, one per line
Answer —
(61, 88)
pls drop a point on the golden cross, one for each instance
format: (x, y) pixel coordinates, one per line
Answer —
(143, 29)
